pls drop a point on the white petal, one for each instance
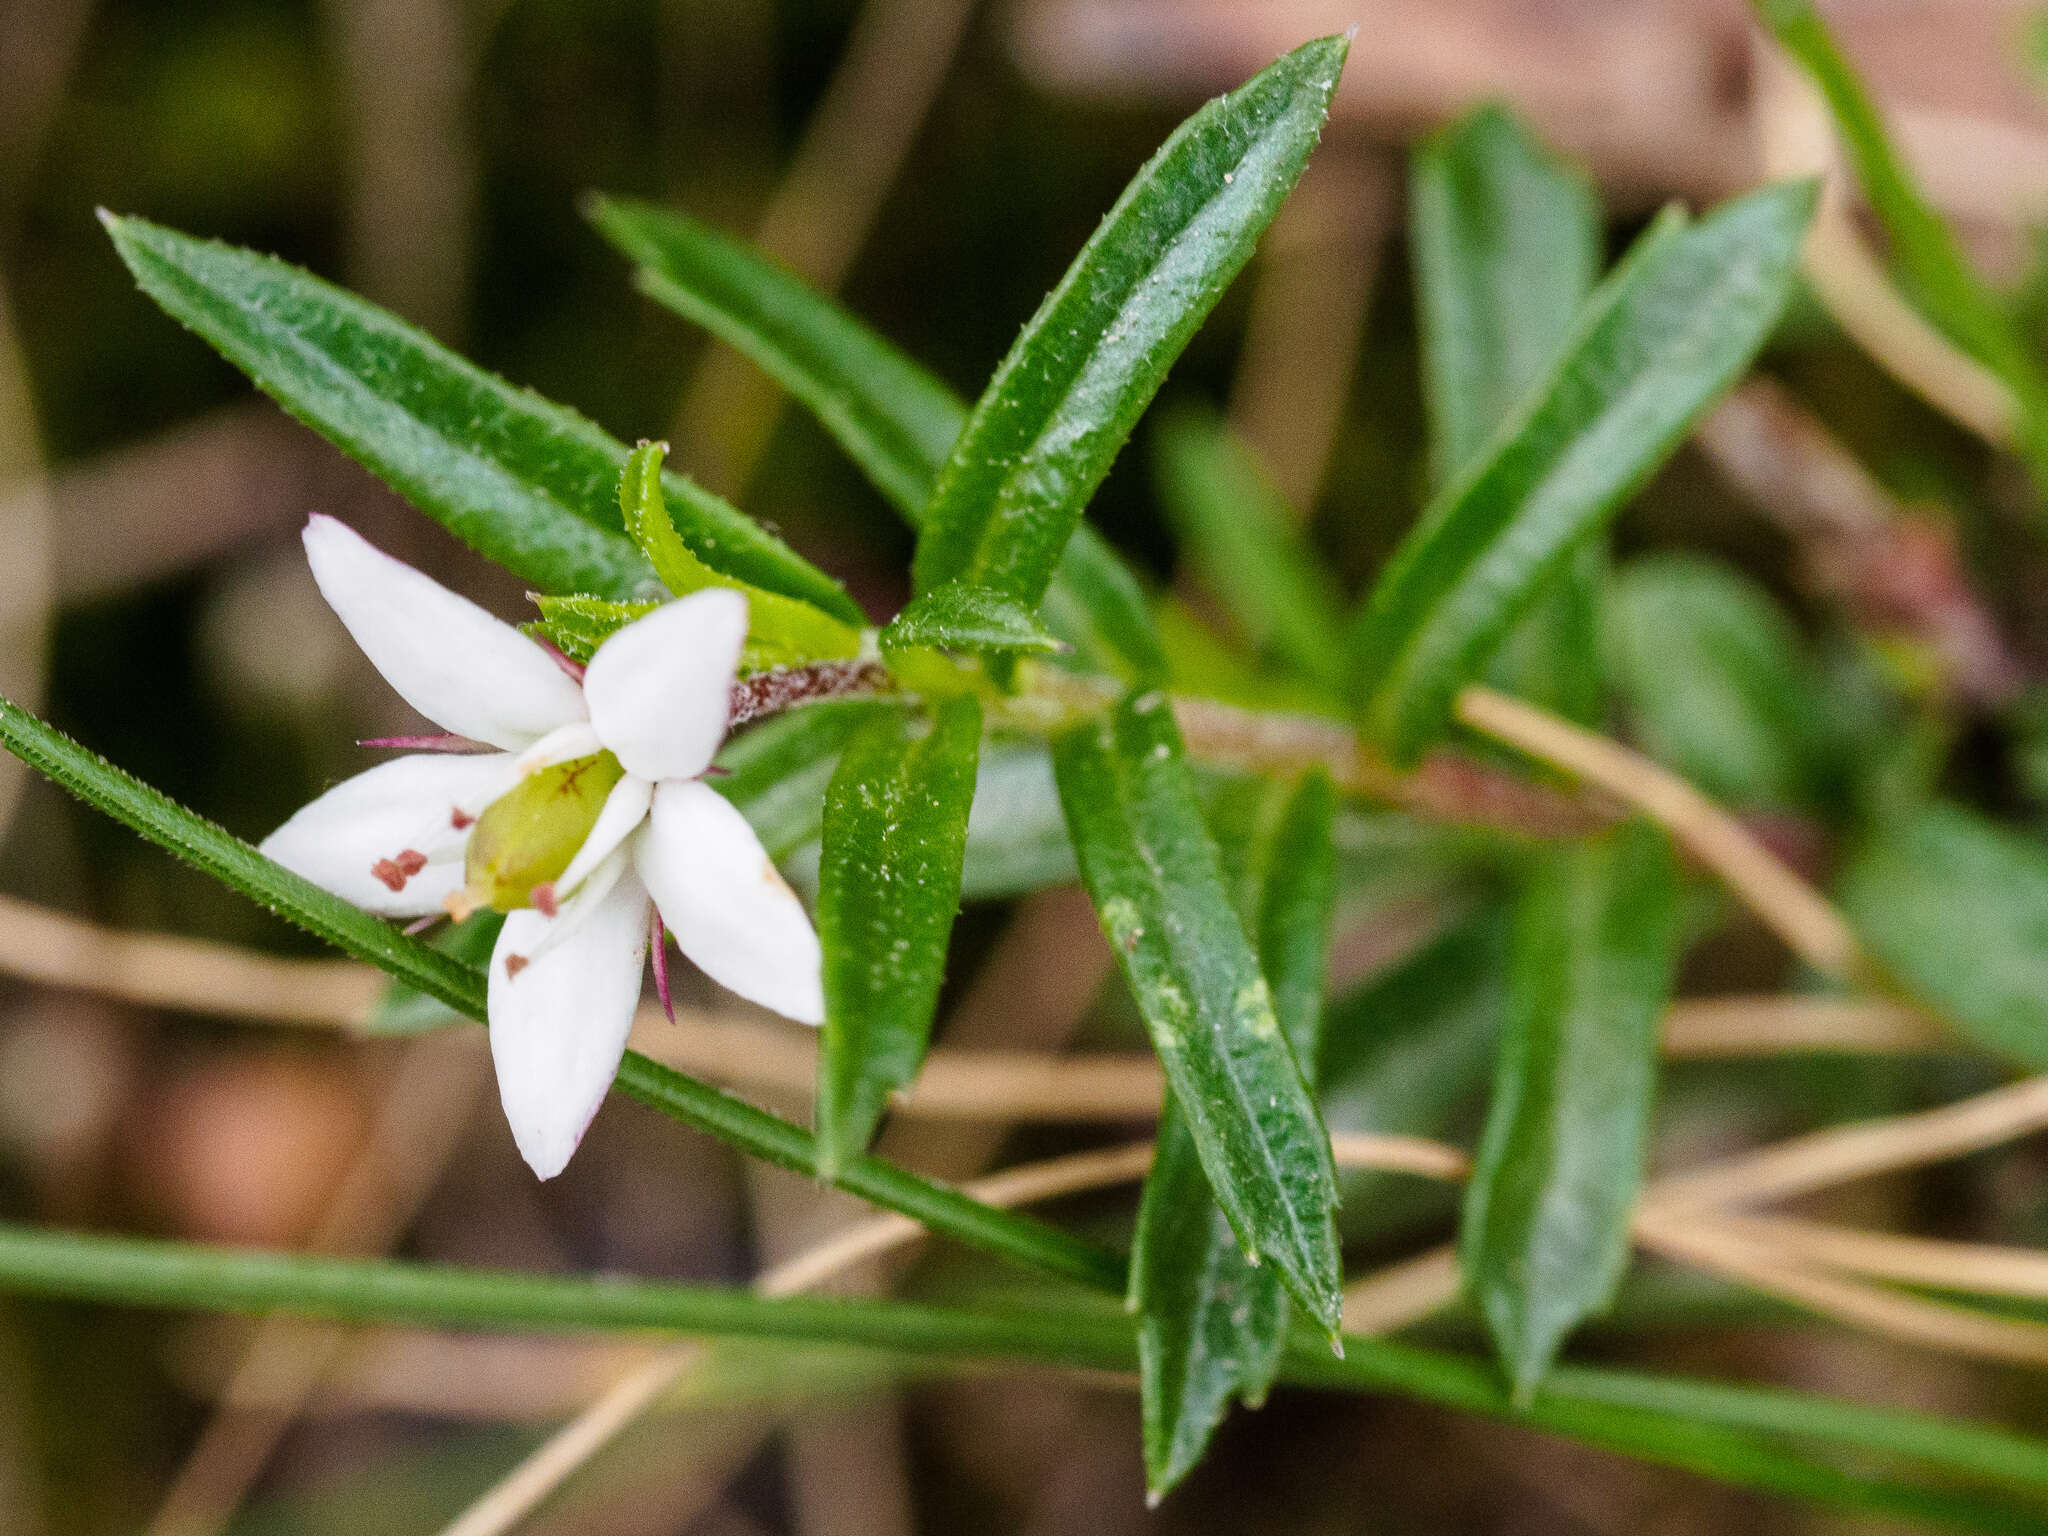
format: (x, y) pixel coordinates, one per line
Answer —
(559, 1021)
(624, 809)
(463, 669)
(660, 689)
(421, 804)
(731, 913)
(564, 744)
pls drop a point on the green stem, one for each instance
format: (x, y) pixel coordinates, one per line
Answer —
(934, 1205)
(1702, 1427)
(759, 1134)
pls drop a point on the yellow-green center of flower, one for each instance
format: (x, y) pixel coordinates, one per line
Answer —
(525, 840)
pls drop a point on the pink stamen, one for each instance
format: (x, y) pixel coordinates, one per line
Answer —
(543, 898)
(441, 742)
(420, 925)
(715, 772)
(658, 941)
(566, 662)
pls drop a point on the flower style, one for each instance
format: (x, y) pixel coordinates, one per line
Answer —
(587, 821)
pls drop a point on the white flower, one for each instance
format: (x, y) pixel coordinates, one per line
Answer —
(565, 976)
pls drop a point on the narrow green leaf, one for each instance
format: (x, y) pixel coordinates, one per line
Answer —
(894, 419)
(1506, 246)
(1715, 681)
(1545, 1232)
(895, 833)
(1957, 909)
(1409, 1054)
(1151, 869)
(1244, 541)
(1061, 405)
(1668, 330)
(963, 618)
(1938, 274)
(786, 628)
(755, 1132)
(524, 481)
(577, 624)
(1211, 1324)
(405, 1010)
(1551, 655)
(777, 771)
(1745, 1436)
(1505, 241)
(1295, 909)
(1212, 1327)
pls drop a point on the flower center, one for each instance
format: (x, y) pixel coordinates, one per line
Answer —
(526, 838)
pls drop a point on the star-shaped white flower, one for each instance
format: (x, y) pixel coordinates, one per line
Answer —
(565, 976)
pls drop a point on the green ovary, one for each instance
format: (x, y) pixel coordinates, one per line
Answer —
(527, 837)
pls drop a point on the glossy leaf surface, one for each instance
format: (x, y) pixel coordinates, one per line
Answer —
(895, 833)
(1674, 325)
(1545, 1233)
(895, 419)
(528, 483)
(1061, 405)
(1152, 871)
(1957, 909)
(1212, 1327)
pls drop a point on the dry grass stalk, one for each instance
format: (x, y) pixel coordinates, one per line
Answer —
(1794, 910)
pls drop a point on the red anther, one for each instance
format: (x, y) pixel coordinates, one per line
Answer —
(387, 870)
(514, 964)
(543, 898)
(411, 861)
(460, 819)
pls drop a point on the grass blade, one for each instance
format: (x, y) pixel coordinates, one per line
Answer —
(1749, 1437)
(1088, 363)
(895, 834)
(1545, 1233)
(443, 977)
(1152, 871)
(526, 482)
(1669, 329)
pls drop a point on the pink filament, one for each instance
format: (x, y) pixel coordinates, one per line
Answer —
(562, 659)
(658, 941)
(440, 742)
